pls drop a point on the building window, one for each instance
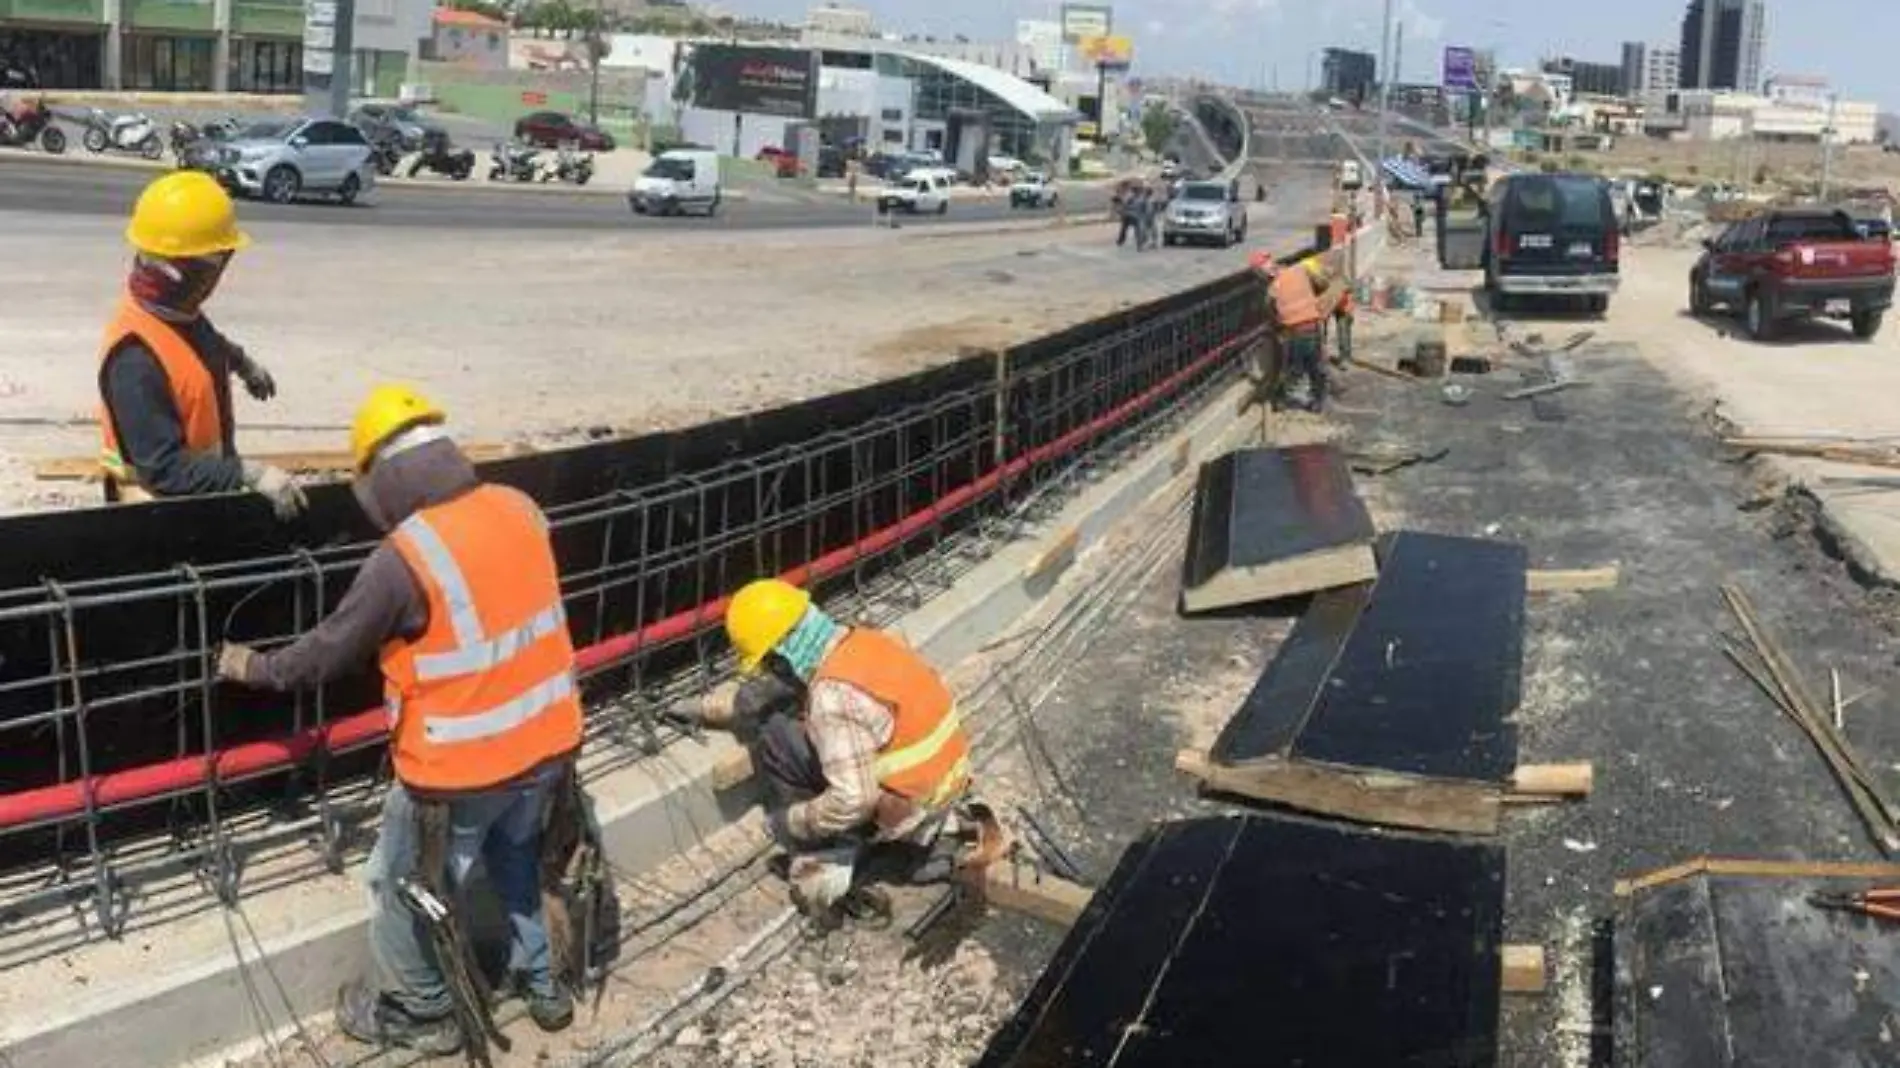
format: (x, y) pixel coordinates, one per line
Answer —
(168, 64)
(893, 114)
(264, 66)
(494, 42)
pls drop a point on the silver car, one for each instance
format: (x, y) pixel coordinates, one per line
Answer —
(1207, 212)
(282, 159)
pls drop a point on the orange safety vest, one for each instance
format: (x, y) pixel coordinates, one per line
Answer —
(928, 757)
(194, 391)
(487, 692)
(1294, 300)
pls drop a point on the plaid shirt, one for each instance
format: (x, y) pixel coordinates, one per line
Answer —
(848, 728)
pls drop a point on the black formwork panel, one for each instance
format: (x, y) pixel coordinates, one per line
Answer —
(1739, 971)
(1261, 514)
(1257, 941)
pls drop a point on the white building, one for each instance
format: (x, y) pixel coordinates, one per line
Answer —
(1042, 40)
(1719, 115)
(1662, 70)
(1798, 89)
(839, 19)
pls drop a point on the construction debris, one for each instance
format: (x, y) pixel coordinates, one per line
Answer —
(1862, 451)
(1555, 581)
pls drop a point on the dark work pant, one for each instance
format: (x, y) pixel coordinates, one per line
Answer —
(785, 756)
(1128, 223)
(1303, 360)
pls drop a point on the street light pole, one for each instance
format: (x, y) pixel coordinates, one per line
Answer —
(596, 47)
(1827, 151)
(1385, 90)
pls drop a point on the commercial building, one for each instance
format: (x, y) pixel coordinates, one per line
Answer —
(1041, 40)
(1722, 45)
(1720, 115)
(253, 46)
(881, 94)
(1597, 79)
(839, 19)
(1348, 75)
(469, 39)
(1633, 67)
(1799, 89)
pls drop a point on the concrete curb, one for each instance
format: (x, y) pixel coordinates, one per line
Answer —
(191, 1010)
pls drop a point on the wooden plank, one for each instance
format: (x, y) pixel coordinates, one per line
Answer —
(1846, 452)
(1034, 893)
(304, 462)
(1762, 869)
(1380, 369)
(1545, 580)
(1524, 971)
(732, 769)
(1056, 557)
(1381, 797)
(1553, 780)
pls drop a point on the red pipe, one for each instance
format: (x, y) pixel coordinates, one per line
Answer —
(67, 799)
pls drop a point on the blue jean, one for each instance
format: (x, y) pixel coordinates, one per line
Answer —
(501, 826)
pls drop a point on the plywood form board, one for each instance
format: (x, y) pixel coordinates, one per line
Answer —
(1726, 971)
(1243, 941)
(1272, 523)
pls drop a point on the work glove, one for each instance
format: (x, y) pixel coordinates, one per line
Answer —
(778, 824)
(257, 380)
(275, 485)
(234, 661)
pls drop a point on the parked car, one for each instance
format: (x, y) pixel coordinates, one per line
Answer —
(784, 164)
(1033, 190)
(408, 125)
(1795, 263)
(684, 179)
(1551, 235)
(917, 193)
(280, 160)
(1207, 213)
(552, 129)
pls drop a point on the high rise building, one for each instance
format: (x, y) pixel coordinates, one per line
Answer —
(1631, 80)
(1722, 44)
(1597, 79)
(1042, 39)
(1662, 69)
(1348, 75)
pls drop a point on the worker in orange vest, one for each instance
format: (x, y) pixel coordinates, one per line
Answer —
(164, 371)
(1325, 270)
(461, 606)
(878, 759)
(1294, 317)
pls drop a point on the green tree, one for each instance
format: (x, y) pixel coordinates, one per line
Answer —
(1158, 125)
(481, 7)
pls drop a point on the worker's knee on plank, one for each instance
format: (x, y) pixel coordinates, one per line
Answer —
(820, 881)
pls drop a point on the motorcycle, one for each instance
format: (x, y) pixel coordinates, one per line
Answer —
(385, 150)
(201, 148)
(512, 161)
(126, 133)
(569, 165)
(30, 122)
(437, 155)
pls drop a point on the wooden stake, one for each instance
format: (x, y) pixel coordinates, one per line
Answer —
(1034, 893)
(1554, 581)
(1554, 780)
(1523, 970)
(1761, 869)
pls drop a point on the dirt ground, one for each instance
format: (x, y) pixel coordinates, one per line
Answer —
(541, 337)
(1744, 163)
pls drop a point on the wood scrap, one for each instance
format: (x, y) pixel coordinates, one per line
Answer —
(1544, 388)
(1771, 869)
(1554, 781)
(1777, 677)
(1032, 892)
(1548, 580)
(1524, 971)
(307, 462)
(1383, 460)
(1379, 369)
(1833, 450)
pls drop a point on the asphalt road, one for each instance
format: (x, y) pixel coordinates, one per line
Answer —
(34, 186)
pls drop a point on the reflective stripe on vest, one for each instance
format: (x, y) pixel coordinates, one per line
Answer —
(927, 756)
(487, 691)
(1293, 299)
(194, 392)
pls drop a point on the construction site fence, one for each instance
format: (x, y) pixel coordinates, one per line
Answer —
(124, 749)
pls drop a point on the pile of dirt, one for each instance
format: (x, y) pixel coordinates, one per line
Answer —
(1675, 231)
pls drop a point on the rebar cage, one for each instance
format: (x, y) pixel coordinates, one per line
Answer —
(117, 763)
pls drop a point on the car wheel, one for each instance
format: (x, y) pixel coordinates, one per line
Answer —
(1598, 304)
(1867, 324)
(943, 206)
(669, 206)
(94, 140)
(281, 184)
(347, 192)
(53, 140)
(1756, 318)
(1698, 296)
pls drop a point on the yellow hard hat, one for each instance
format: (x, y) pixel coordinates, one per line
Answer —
(761, 614)
(185, 214)
(389, 410)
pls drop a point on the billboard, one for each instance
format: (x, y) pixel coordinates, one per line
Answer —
(756, 81)
(1461, 69)
(1112, 52)
(1086, 20)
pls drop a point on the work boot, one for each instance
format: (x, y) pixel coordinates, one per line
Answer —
(550, 1012)
(370, 1018)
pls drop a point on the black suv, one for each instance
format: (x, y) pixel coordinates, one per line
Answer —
(1551, 235)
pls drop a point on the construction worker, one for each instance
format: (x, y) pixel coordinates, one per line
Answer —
(1294, 316)
(1327, 278)
(873, 758)
(164, 370)
(461, 603)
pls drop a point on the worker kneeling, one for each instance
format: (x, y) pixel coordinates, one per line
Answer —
(877, 764)
(462, 603)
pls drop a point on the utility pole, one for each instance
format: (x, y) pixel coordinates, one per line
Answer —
(1385, 91)
(596, 51)
(329, 41)
(1827, 151)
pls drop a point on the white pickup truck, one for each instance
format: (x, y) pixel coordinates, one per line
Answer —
(917, 193)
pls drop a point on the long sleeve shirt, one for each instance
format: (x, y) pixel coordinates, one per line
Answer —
(848, 728)
(151, 435)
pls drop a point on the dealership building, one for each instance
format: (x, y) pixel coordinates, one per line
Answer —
(240, 46)
(740, 99)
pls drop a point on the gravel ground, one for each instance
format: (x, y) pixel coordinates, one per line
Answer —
(528, 336)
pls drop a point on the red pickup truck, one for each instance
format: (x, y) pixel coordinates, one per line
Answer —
(1796, 263)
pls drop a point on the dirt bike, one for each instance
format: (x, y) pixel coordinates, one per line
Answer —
(31, 122)
(437, 155)
(126, 133)
(201, 148)
(512, 161)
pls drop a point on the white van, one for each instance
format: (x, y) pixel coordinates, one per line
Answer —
(1350, 179)
(684, 179)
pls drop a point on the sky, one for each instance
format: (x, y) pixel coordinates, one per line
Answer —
(1249, 42)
